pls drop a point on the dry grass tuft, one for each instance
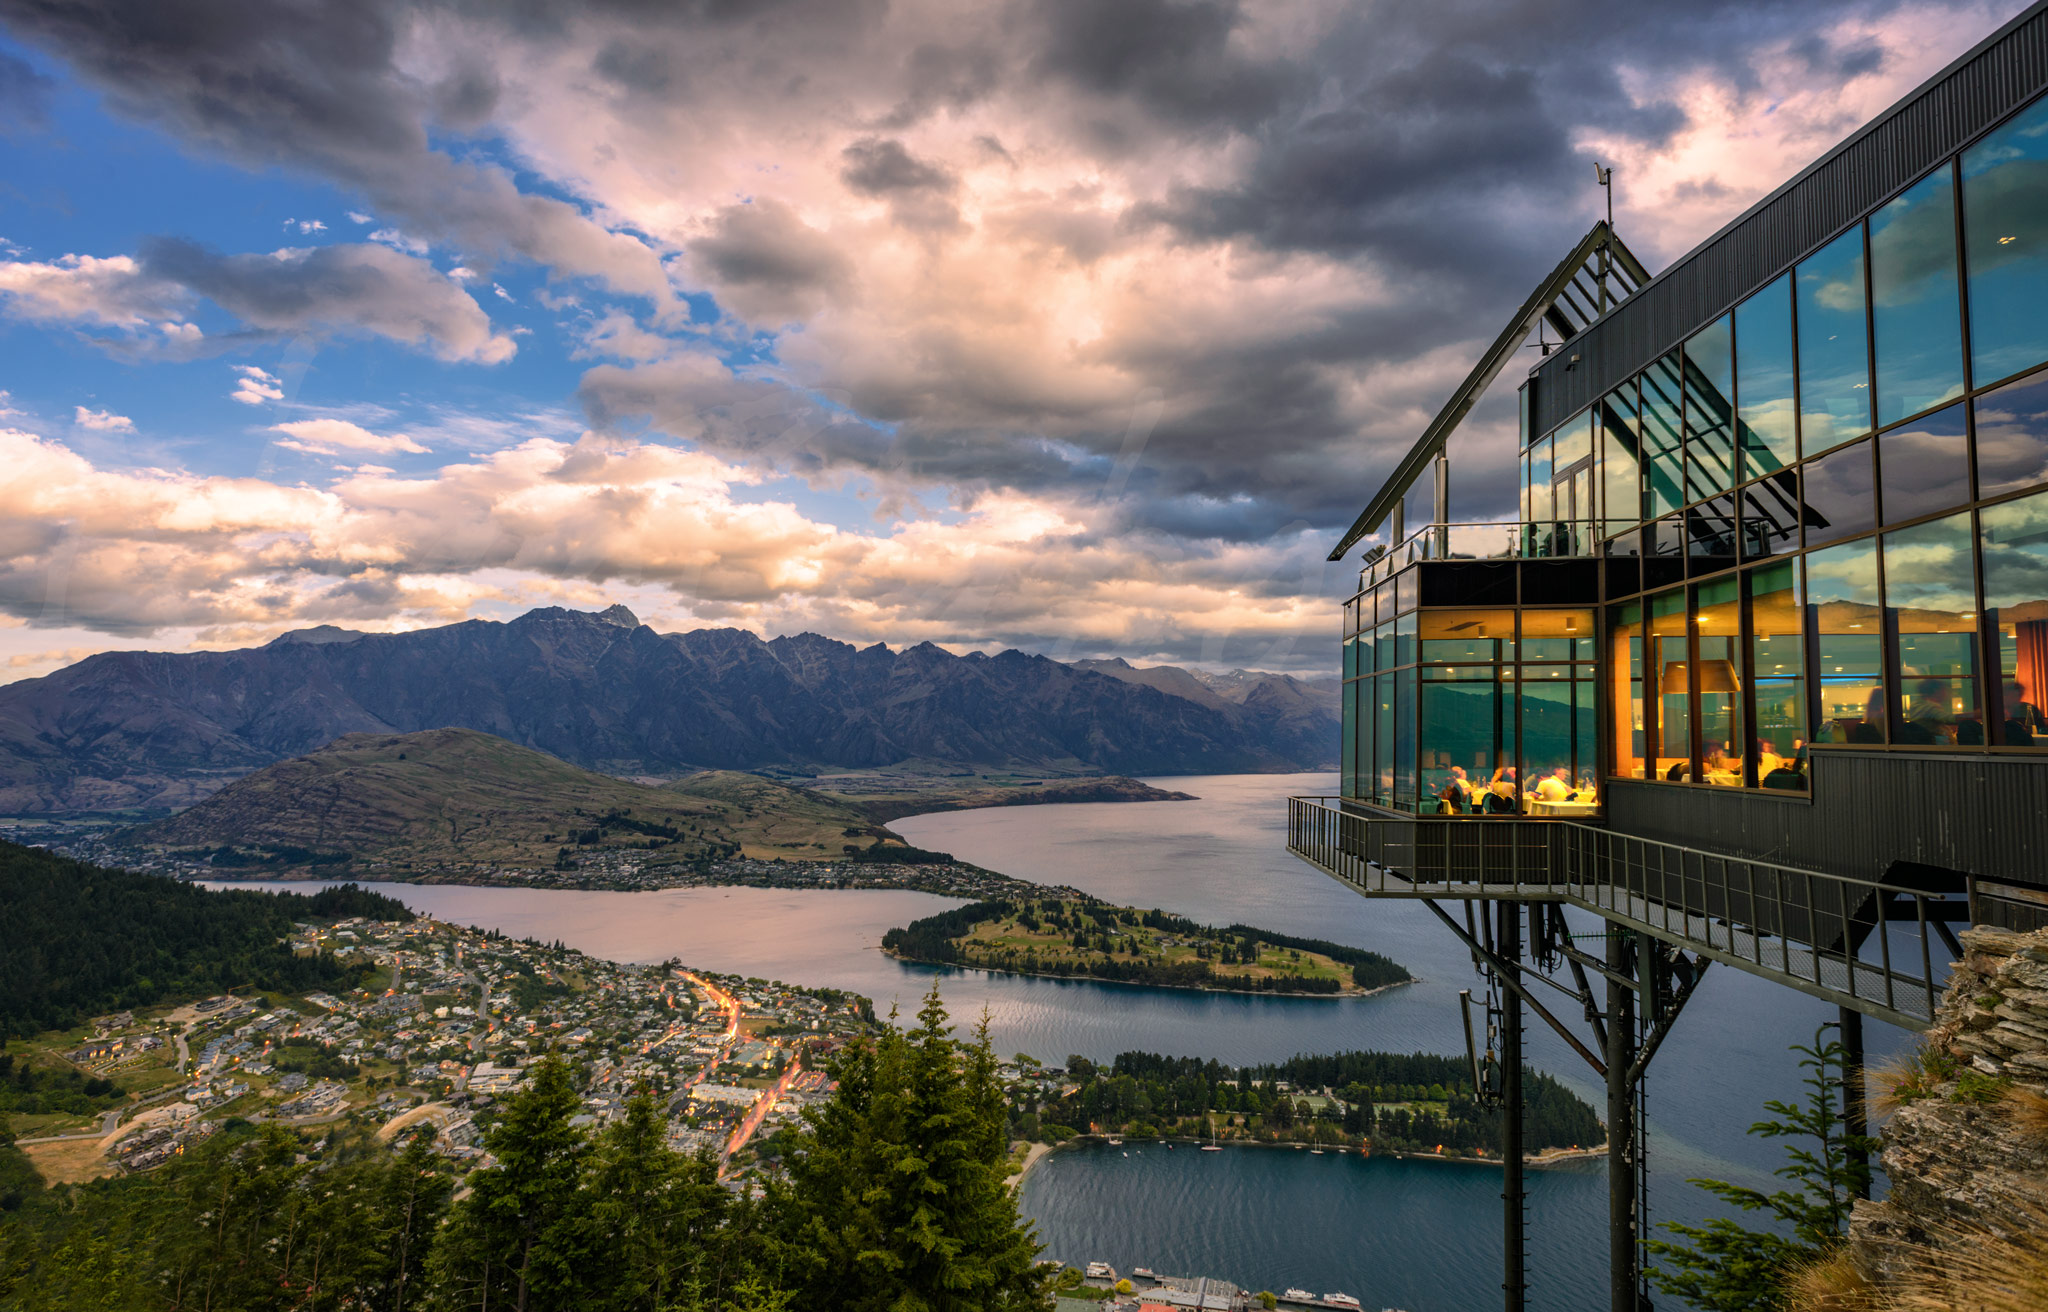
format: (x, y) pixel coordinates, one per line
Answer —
(1908, 1079)
(2029, 1111)
(1835, 1283)
(1989, 1273)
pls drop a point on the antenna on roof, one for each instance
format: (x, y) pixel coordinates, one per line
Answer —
(1604, 176)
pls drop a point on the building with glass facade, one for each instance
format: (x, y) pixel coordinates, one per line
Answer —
(1804, 525)
(1757, 672)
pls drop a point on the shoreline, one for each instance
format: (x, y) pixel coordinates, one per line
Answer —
(1549, 1157)
(1343, 995)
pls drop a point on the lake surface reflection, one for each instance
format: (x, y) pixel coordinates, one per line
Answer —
(1418, 1235)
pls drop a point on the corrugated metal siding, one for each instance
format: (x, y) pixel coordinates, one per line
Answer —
(1824, 201)
(1975, 814)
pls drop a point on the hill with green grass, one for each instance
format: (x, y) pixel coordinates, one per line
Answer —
(450, 799)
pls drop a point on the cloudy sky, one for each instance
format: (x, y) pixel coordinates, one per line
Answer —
(1057, 324)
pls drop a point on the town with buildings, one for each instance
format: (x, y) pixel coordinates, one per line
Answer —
(448, 1025)
(607, 870)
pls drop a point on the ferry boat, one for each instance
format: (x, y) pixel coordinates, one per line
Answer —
(1099, 1271)
(1299, 1296)
(1340, 1300)
(1143, 1273)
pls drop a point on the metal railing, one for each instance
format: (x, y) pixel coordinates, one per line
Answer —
(1499, 540)
(1827, 935)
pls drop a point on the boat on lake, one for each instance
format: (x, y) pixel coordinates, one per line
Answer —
(1340, 1300)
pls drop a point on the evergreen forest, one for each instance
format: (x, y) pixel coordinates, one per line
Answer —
(78, 940)
(894, 1200)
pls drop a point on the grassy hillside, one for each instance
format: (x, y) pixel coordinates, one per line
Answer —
(455, 798)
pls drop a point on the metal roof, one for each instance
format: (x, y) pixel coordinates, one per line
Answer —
(1569, 300)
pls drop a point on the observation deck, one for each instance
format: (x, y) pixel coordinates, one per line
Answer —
(1806, 929)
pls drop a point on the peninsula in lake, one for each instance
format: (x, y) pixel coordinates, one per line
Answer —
(1085, 938)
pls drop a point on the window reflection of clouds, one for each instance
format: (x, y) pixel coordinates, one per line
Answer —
(1917, 321)
(1928, 567)
(2005, 238)
(2015, 548)
(1834, 364)
(2012, 436)
(1843, 574)
(1925, 466)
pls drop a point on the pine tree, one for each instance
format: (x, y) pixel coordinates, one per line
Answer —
(513, 1243)
(898, 1200)
(1725, 1267)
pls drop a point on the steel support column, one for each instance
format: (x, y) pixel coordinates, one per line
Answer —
(1513, 1196)
(1624, 1252)
(1855, 1115)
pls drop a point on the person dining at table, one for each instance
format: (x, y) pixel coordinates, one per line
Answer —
(1500, 798)
(2023, 720)
(1555, 786)
(1928, 719)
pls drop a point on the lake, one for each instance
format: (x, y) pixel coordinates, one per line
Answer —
(1424, 1236)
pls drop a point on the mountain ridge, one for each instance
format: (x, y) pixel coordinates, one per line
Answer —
(146, 730)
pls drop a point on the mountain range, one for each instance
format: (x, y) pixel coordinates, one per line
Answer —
(155, 730)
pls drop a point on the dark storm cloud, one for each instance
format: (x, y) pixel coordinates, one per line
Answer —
(880, 167)
(1432, 147)
(307, 84)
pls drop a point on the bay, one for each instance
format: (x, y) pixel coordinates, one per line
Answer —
(1419, 1235)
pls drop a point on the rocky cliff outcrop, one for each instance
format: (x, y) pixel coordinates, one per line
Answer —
(1966, 1150)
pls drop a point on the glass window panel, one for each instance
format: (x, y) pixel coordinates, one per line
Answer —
(1710, 410)
(1383, 738)
(1383, 645)
(1662, 441)
(1468, 635)
(1404, 739)
(2012, 436)
(1551, 752)
(1363, 696)
(1834, 360)
(1924, 466)
(1763, 380)
(2005, 239)
(1620, 467)
(1404, 639)
(1930, 597)
(2014, 543)
(1770, 515)
(1523, 396)
(1837, 495)
(1777, 662)
(1557, 635)
(1348, 771)
(1540, 469)
(1527, 514)
(1585, 736)
(1405, 588)
(1625, 666)
(1710, 533)
(1462, 731)
(1916, 317)
(1671, 667)
(1841, 584)
(1574, 443)
(1718, 672)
